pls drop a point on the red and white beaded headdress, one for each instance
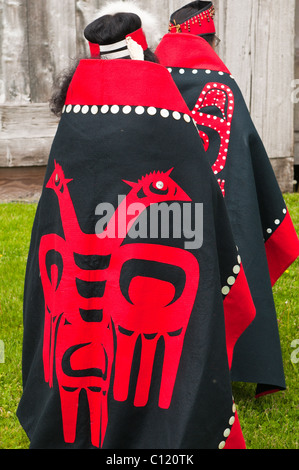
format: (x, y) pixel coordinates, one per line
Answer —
(195, 18)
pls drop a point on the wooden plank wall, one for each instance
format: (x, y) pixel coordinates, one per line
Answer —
(295, 88)
(39, 38)
(258, 44)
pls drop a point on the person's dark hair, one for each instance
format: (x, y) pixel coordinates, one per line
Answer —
(60, 88)
(210, 38)
(105, 30)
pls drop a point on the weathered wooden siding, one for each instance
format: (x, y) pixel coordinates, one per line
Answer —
(258, 47)
(26, 134)
(39, 38)
(295, 89)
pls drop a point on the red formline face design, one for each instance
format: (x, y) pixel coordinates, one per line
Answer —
(219, 99)
(78, 331)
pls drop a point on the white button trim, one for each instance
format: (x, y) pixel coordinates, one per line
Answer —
(194, 71)
(227, 431)
(115, 109)
(276, 222)
(232, 279)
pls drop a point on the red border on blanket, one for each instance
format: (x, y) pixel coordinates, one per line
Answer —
(282, 248)
(239, 312)
(188, 51)
(235, 440)
(124, 82)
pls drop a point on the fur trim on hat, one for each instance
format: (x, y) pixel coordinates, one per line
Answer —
(150, 23)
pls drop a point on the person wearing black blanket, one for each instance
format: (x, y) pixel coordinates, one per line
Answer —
(130, 321)
(261, 224)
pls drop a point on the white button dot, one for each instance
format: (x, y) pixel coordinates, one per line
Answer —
(94, 109)
(208, 71)
(176, 115)
(69, 108)
(127, 109)
(231, 421)
(63, 109)
(284, 211)
(221, 445)
(139, 110)
(225, 290)
(239, 259)
(114, 109)
(269, 230)
(104, 109)
(195, 71)
(231, 280)
(226, 432)
(160, 185)
(164, 113)
(236, 269)
(77, 108)
(181, 71)
(85, 109)
(187, 118)
(152, 111)
(277, 222)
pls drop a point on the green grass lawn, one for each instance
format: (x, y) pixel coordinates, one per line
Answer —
(271, 422)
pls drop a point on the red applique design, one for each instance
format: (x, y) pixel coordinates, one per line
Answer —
(217, 97)
(78, 335)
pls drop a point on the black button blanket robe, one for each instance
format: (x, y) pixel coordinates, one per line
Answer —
(260, 221)
(128, 340)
